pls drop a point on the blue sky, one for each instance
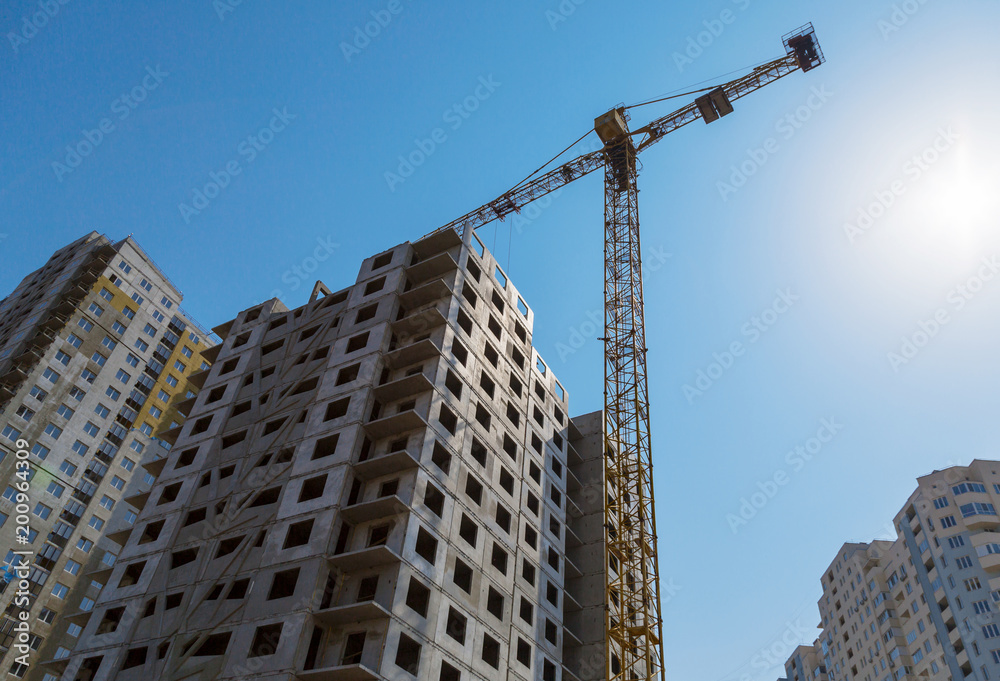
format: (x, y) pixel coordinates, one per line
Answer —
(867, 221)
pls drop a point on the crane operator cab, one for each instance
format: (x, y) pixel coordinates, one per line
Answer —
(803, 44)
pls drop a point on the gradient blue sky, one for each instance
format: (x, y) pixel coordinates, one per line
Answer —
(901, 78)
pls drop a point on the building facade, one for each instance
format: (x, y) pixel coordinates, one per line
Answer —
(924, 606)
(381, 484)
(95, 355)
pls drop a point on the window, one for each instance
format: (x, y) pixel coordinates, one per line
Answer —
(107, 502)
(138, 299)
(96, 523)
(354, 648)
(180, 366)
(123, 376)
(60, 590)
(11, 433)
(65, 411)
(171, 380)
(158, 316)
(117, 483)
(96, 309)
(74, 340)
(24, 413)
(77, 394)
(163, 396)
(50, 375)
(149, 330)
(88, 375)
(80, 448)
(52, 431)
(141, 345)
(62, 358)
(418, 597)
(408, 654)
(124, 267)
(55, 489)
(165, 302)
(118, 328)
(40, 451)
(456, 625)
(42, 511)
(38, 393)
(102, 411)
(112, 393)
(145, 285)
(265, 640)
(72, 567)
(426, 546)
(491, 651)
(186, 351)
(84, 324)
(91, 428)
(127, 463)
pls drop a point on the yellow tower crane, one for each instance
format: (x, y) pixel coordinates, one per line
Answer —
(633, 624)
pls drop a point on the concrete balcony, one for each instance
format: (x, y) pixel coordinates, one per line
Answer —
(185, 406)
(137, 500)
(404, 387)
(412, 353)
(351, 672)
(373, 556)
(384, 464)
(982, 522)
(419, 321)
(197, 379)
(211, 354)
(990, 562)
(376, 509)
(156, 465)
(354, 613)
(435, 242)
(433, 290)
(395, 424)
(170, 436)
(120, 537)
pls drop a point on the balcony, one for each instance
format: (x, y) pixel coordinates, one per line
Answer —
(419, 321)
(384, 464)
(435, 242)
(430, 292)
(373, 556)
(353, 613)
(351, 672)
(120, 537)
(138, 501)
(170, 436)
(403, 387)
(382, 507)
(185, 406)
(197, 379)
(395, 424)
(155, 466)
(412, 353)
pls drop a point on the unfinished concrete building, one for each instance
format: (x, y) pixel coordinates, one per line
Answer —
(94, 356)
(380, 484)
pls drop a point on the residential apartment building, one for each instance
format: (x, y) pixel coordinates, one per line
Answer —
(380, 484)
(95, 356)
(924, 606)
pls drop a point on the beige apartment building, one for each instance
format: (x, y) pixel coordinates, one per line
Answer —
(383, 483)
(95, 354)
(924, 606)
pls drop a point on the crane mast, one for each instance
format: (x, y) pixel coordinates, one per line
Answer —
(633, 623)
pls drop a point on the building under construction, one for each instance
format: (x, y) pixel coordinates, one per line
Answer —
(381, 484)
